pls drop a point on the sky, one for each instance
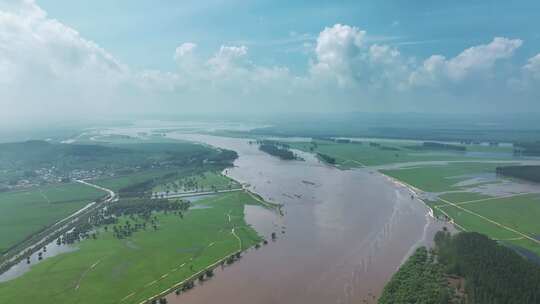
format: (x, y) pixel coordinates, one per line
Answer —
(63, 59)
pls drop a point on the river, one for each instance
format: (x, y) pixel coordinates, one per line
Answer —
(341, 237)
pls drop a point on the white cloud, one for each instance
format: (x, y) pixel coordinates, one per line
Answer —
(336, 52)
(532, 68)
(528, 81)
(227, 59)
(474, 61)
(46, 65)
(185, 49)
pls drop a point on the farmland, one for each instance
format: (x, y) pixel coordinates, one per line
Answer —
(373, 152)
(511, 219)
(439, 178)
(108, 270)
(25, 212)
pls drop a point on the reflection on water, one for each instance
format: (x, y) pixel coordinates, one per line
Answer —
(342, 235)
(49, 251)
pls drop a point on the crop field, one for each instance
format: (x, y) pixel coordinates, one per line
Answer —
(439, 178)
(23, 213)
(513, 219)
(119, 182)
(207, 181)
(350, 155)
(111, 270)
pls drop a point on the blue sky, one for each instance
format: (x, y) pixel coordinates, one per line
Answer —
(104, 58)
(144, 33)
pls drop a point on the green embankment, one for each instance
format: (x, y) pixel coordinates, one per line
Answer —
(25, 212)
(108, 270)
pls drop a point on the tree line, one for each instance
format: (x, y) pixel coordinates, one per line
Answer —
(282, 151)
(467, 267)
(530, 173)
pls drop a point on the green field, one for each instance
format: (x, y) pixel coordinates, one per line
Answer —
(439, 178)
(108, 270)
(23, 213)
(207, 181)
(119, 182)
(519, 212)
(350, 155)
(508, 218)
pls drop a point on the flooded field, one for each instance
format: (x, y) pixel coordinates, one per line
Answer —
(342, 235)
(49, 251)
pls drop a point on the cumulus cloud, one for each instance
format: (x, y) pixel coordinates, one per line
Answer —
(228, 59)
(528, 81)
(474, 61)
(336, 52)
(184, 50)
(44, 63)
(532, 68)
(47, 64)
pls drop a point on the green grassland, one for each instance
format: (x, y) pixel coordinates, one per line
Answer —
(518, 212)
(25, 212)
(439, 178)
(471, 222)
(118, 182)
(108, 270)
(506, 218)
(207, 181)
(350, 155)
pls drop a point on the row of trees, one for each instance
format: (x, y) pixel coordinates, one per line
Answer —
(527, 148)
(530, 173)
(429, 145)
(327, 158)
(279, 151)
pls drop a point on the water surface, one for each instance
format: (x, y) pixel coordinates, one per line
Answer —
(343, 233)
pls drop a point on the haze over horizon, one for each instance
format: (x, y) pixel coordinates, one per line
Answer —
(66, 60)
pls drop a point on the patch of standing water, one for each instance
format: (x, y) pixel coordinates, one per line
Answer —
(52, 249)
(200, 206)
(194, 199)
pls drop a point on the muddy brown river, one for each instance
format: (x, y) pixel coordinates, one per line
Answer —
(341, 237)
